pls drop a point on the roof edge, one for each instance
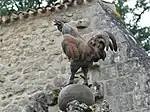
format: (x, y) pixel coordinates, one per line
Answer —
(56, 6)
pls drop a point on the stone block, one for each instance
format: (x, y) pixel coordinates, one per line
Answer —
(2, 79)
(118, 34)
(104, 73)
(129, 84)
(141, 100)
(147, 84)
(128, 68)
(108, 72)
(59, 81)
(5, 102)
(22, 102)
(13, 108)
(123, 85)
(112, 88)
(78, 15)
(15, 77)
(121, 103)
(146, 110)
(122, 51)
(18, 90)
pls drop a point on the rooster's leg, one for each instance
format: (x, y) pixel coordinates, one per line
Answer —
(85, 71)
(74, 68)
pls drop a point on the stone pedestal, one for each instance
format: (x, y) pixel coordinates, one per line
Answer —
(77, 92)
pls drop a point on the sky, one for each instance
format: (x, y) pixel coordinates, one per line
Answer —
(145, 17)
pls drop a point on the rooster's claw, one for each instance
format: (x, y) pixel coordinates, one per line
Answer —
(88, 85)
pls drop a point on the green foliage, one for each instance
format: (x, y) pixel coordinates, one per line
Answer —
(55, 96)
(122, 9)
(3, 11)
(142, 34)
(21, 5)
(50, 1)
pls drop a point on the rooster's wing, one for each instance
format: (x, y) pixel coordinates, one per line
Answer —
(70, 47)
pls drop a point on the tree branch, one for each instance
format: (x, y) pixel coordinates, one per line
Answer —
(139, 15)
(16, 5)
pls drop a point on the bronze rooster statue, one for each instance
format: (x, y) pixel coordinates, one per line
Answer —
(82, 54)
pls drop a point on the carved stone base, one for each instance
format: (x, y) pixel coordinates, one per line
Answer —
(77, 92)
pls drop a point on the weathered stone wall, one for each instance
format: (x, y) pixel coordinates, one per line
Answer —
(31, 59)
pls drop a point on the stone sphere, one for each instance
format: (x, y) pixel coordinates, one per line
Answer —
(77, 92)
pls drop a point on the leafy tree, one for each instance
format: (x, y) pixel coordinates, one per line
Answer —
(50, 1)
(21, 5)
(142, 34)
